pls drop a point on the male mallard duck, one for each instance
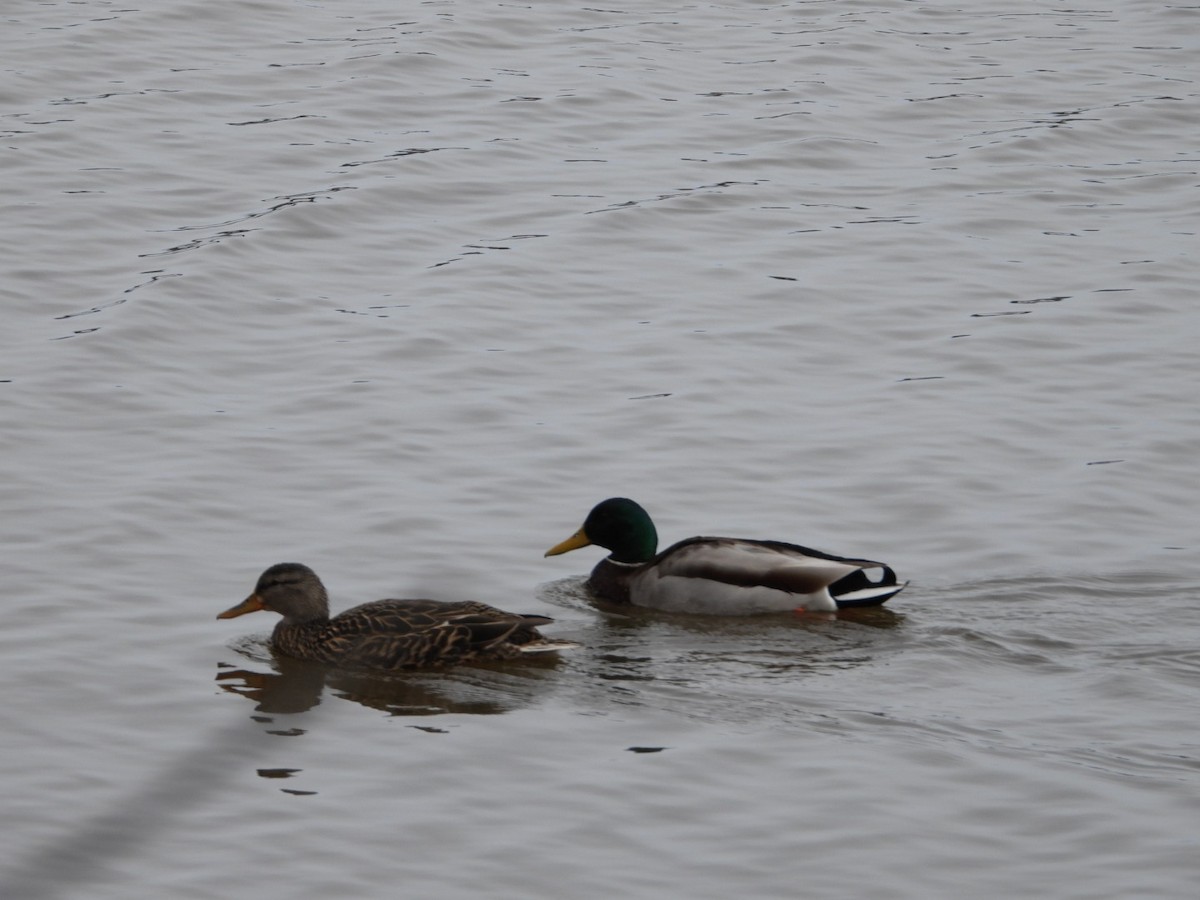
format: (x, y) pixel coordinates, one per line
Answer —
(715, 575)
(386, 634)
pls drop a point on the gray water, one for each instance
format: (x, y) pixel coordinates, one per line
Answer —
(400, 290)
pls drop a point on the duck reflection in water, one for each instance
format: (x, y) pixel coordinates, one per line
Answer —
(638, 651)
(297, 685)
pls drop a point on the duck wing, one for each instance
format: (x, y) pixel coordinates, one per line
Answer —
(402, 634)
(751, 563)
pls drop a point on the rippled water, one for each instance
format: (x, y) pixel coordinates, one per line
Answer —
(401, 290)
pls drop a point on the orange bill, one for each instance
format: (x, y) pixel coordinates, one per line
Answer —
(253, 603)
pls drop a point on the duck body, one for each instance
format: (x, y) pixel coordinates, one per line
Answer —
(720, 575)
(387, 634)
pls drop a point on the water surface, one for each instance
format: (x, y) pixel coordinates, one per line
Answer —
(401, 290)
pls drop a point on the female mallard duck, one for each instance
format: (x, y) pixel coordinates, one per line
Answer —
(387, 634)
(718, 576)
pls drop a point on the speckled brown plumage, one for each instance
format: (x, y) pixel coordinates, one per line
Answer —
(387, 634)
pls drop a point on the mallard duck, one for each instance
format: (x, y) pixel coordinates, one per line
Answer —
(387, 634)
(717, 575)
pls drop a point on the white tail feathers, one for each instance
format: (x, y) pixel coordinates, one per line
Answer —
(547, 646)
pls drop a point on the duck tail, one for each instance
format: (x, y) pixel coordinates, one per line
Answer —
(859, 589)
(545, 645)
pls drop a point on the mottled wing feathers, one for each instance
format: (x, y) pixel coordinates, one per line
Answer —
(406, 616)
(439, 645)
(403, 634)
